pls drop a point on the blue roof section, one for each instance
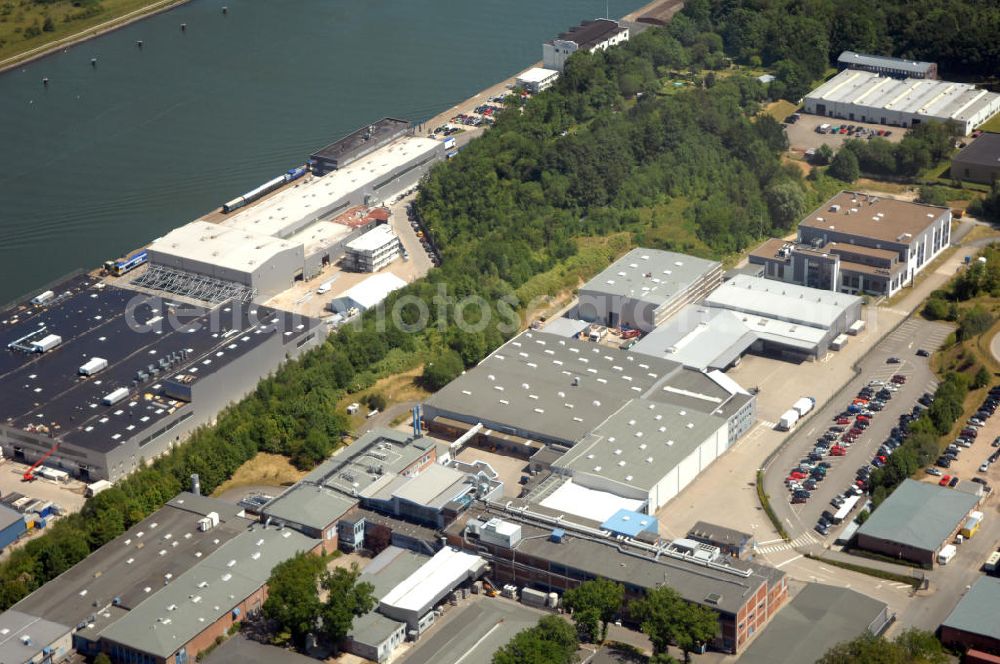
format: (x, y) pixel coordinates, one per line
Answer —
(630, 524)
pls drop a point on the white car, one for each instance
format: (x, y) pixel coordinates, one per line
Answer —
(984, 467)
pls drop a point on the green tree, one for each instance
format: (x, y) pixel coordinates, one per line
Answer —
(844, 166)
(786, 201)
(49, 25)
(346, 600)
(595, 603)
(912, 646)
(936, 309)
(102, 658)
(824, 155)
(376, 401)
(666, 618)
(293, 597)
(982, 379)
(933, 195)
(442, 369)
(551, 641)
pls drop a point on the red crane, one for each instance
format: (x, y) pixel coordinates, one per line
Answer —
(29, 474)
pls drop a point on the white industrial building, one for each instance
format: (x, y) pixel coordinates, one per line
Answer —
(414, 599)
(372, 251)
(262, 249)
(645, 287)
(864, 96)
(589, 36)
(537, 79)
(368, 294)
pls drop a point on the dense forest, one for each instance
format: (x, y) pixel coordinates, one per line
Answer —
(615, 151)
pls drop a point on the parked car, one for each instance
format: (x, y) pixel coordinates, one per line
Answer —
(933, 471)
(922, 353)
(892, 360)
(954, 482)
(944, 480)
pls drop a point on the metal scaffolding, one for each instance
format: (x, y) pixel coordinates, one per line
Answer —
(196, 286)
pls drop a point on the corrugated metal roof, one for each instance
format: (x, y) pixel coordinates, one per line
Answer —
(919, 514)
(976, 612)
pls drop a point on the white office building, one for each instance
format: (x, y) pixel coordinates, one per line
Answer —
(589, 36)
(372, 251)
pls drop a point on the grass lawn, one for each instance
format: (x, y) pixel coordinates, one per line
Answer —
(993, 124)
(264, 469)
(22, 21)
(779, 110)
(397, 388)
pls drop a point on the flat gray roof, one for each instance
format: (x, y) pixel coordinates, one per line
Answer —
(801, 305)
(391, 567)
(699, 337)
(721, 534)
(983, 151)
(913, 66)
(373, 628)
(641, 443)
(527, 384)
(133, 566)
(919, 514)
(650, 275)
(602, 558)
(8, 517)
(434, 487)
(14, 626)
(565, 327)
(976, 612)
(331, 489)
(815, 620)
(190, 603)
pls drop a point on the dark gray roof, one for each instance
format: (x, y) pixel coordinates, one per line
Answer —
(816, 619)
(722, 590)
(983, 151)
(849, 58)
(373, 628)
(8, 517)
(919, 514)
(363, 140)
(719, 534)
(590, 33)
(976, 612)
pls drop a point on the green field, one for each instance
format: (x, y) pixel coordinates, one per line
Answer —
(992, 125)
(29, 25)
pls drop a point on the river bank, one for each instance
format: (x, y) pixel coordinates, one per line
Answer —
(88, 33)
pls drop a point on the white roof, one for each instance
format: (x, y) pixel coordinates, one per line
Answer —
(319, 235)
(537, 75)
(373, 290)
(374, 239)
(434, 579)
(943, 100)
(764, 300)
(308, 198)
(216, 244)
(588, 503)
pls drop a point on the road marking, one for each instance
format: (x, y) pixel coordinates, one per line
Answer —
(790, 560)
(476, 644)
(769, 542)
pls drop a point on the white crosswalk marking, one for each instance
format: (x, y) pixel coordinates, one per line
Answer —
(806, 539)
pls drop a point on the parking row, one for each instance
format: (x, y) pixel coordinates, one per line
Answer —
(421, 234)
(966, 439)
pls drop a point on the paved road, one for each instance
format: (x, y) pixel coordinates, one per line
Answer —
(799, 519)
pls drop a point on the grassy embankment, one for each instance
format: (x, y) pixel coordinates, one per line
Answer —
(28, 26)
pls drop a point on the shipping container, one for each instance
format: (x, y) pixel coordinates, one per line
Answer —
(856, 328)
(839, 342)
(114, 397)
(92, 366)
(971, 526)
(46, 343)
(534, 597)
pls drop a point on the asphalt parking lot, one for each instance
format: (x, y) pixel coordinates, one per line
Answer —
(903, 343)
(802, 135)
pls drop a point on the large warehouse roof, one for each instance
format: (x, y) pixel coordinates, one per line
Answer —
(791, 303)
(816, 619)
(941, 100)
(284, 213)
(643, 440)
(572, 498)
(919, 514)
(699, 337)
(591, 33)
(370, 292)
(650, 275)
(556, 388)
(976, 612)
(875, 217)
(192, 602)
(231, 248)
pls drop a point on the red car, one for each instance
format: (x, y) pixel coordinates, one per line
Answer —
(863, 418)
(630, 334)
(838, 451)
(944, 480)
(899, 378)
(797, 475)
(843, 420)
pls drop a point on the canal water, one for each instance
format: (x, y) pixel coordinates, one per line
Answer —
(107, 158)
